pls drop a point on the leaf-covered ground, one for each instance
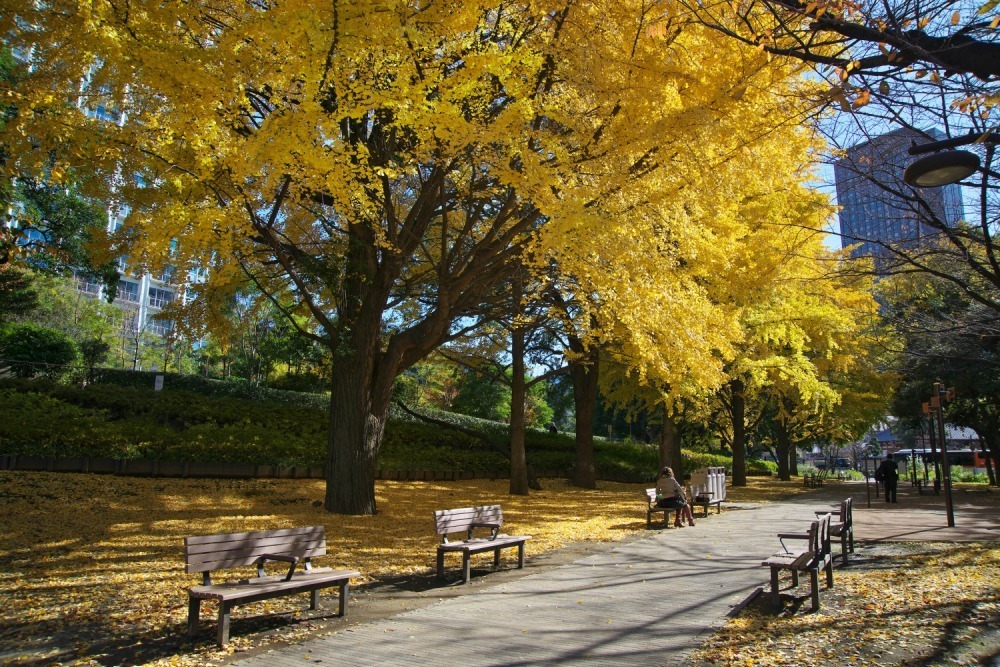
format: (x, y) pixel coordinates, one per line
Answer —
(902, 604)
(91, 566)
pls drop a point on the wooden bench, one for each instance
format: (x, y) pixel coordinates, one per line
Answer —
(291, 546)
(652, 507)
(815, 556)
(465, 520)
(842, 527)
(812, 480)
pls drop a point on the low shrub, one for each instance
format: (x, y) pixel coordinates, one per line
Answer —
(759, 466)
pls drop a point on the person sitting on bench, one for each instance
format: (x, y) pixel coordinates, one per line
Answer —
(669, 493)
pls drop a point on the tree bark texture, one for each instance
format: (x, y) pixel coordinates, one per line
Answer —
(738, 415)
(358, 408)
(518, 455)
(992, 456)
(670, 445)
(782, 447)
(584, 371)
(793, 460)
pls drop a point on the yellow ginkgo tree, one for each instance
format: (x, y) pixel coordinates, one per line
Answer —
(382, 165)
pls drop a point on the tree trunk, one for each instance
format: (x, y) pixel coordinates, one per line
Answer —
(584, 371)
(361, 388)
(518, 456)
(992, 456)
(793, 460)
(670, 445)
(738, 415)
(359, 405)
(782, 443)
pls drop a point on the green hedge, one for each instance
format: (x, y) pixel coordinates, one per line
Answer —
(204, 423)
(759, 466)
(209, 387)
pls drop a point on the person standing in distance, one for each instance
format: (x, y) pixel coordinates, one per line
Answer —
(888, 471)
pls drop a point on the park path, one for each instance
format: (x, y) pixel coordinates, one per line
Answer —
(645, 602)
(649, 601)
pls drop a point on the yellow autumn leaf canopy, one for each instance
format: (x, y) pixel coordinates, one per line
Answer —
(382, 165)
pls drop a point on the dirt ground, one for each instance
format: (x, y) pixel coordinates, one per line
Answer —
(89, 572)
(899, 604)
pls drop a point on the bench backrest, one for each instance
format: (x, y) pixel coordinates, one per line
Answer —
(465, 518)
(846, 512)
(205, 553)
(821, 544)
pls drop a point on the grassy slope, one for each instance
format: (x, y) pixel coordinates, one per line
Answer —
(46, 418)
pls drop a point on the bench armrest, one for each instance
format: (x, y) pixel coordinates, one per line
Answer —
(293, 560)
(791, 536)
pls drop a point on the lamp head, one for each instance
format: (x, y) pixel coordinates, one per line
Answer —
(941, 168)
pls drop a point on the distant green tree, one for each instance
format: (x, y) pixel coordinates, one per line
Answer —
(56, 228)
(93, 352)
(62, 307)
(537, 411)
(480, 395)
(18, 295)
(36, 350)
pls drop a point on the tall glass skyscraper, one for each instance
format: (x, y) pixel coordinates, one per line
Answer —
(877, 207)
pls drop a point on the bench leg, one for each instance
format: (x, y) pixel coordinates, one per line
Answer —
(775, 596)
(814, 580)
(649, 519)
(850, 539)
(843, 546)
(345, 594)
(496, 559)
(440, 564)
(314, 599)
(222, 634)
(194, 609)
(795, 578)
(520, 556)
(466, 567)
(829, 573)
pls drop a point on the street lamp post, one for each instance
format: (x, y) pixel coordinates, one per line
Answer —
(942, 394)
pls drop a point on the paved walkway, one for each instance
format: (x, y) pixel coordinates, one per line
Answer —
(646, 602)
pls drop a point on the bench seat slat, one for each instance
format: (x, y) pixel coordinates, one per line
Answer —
(267, 586)
(795, 561)
(484, 544)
